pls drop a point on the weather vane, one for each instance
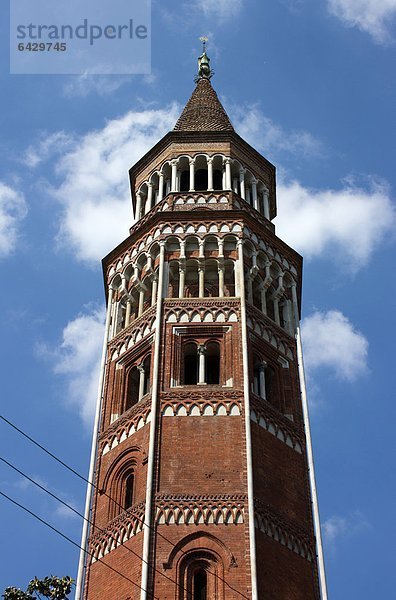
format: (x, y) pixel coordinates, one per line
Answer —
(203, 39)
(204, 70)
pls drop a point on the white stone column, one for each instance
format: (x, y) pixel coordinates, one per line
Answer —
(296, 315)
(266, 203)
(174, 176)
(201, 365)
(182, 249)
(154, 290)
(254, 194)
(250, 289)
(221, 279)
(221, 248)
(149, 202)
(182, 279)
(128, 313)
(210, 174)
(264, 300)
(228, 173)
(94, 451)
(235, 184)
(276, 311)
(148, 516)
(161, 187)
(138, 208)
(201, 280)
(242, 182)
(142, 381)
(248, 433)
(262, 380)
(141, 303)
(192, 175)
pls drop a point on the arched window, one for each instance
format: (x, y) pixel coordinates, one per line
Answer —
(190, 364)
(213, 363)
(200, 585)
(269, 383)
(128, 490)
(201, 180)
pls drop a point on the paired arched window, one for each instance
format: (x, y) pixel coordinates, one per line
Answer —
(201, 363)
(263, 380)
(138, 382)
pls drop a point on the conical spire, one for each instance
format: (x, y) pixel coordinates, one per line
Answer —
(204, 111)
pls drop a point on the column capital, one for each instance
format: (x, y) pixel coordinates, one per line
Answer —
(201, 349)
(161, 174)
(227, 160)
(191, 161)
(150, 184)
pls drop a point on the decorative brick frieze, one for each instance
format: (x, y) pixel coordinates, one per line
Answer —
(122, 528)
(265, 416)
(284, 532)
(134, 419)
(139, 330)
(200, 510)
(266, 329)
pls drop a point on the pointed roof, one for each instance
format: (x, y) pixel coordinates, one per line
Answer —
(204, 111)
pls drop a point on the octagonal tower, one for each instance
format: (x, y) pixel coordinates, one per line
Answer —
(204, 485)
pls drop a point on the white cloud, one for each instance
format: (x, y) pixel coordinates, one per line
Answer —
(346, 225)
(94, 188)
(47, 146)
(371, 16)
(331, 341)
(262, 133)
(77, 359)
(336, 527)
(13, 210)
(219, 9)
(86, 84)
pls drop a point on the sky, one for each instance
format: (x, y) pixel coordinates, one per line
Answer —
(310, 84)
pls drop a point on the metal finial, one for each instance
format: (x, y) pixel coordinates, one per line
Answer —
(203, 39)
(204, 70)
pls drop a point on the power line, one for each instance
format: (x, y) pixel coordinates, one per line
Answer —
(33, 441)
(44, 489)
(30, 512)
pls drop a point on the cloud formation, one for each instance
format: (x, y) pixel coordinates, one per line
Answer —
(13, 209)
(370, 16)
(77, 359)
(94, 184)
(219, 9)
(332, 342)
(266, 135)
(337, 527)
(346, 225)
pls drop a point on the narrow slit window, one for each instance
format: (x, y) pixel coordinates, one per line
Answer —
(200, 585)
(128, 494)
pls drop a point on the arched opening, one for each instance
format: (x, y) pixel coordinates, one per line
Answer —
(217, 179)
(269, 384)
(184, 181)
(132, 396)
(128, 490)
(147, 368)
(201, 180)
(211, 279)
(213, 363)
(190, 364)
(200, 585)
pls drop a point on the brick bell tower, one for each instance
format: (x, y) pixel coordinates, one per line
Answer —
(204, 486)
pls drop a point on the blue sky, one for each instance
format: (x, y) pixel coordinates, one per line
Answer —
(311, 85)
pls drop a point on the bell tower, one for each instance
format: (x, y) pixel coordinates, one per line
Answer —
(204, 486)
